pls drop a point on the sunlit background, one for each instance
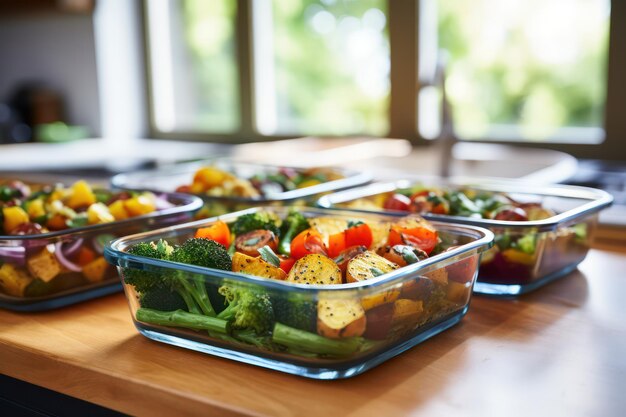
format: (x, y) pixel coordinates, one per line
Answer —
(531, 66)
(322, 67)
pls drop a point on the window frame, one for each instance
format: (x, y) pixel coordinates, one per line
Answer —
(403, 18)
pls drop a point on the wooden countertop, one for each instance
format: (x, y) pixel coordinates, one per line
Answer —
(558, 351)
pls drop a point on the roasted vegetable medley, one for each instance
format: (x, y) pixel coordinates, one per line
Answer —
(215, 182)
(516, 256)
(303, 250)
(35, 267)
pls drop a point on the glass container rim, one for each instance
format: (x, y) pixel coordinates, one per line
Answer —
(115, 254)
(597, 200)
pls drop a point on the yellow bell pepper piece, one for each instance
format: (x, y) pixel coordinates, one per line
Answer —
(518, 257)
(118, 210)
(140, 205)
(309, 183)
(36, 209)
(211, 177)
(81, 195)
(99, 213)
(13, 217)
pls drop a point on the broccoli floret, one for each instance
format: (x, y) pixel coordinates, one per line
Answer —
(527, 243)
(201, 252)
(162, 299)
(295, 312)
(144, 281)
(294, 224)
(261, 220)
(247, 308)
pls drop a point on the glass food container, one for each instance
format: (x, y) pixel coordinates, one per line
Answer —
(222, 200)
(54, 269)
(527, 253)
(374, 319)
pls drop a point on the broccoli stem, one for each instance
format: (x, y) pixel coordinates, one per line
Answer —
(311, 342)
(229, 312)
(191, 304)
(197, 290)
(249, 336)
(180, 318)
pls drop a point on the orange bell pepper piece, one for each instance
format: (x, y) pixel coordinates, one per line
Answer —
(218, 232)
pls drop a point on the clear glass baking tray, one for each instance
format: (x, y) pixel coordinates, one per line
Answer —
(169, 178)
(387, 314)
(20, 253)
(559, 242)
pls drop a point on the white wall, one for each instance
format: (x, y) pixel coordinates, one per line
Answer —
(57, 48)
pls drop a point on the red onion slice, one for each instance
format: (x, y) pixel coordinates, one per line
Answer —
(73, 248)
(13, 255)
(161, 202)
(58, 252)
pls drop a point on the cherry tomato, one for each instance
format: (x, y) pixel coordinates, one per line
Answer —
(27, 229)
(462, 271)
(218, 232)
(183, 189)
(85, 256)
(379, 321)
(286, 263)
(511, 213)
(398, 202)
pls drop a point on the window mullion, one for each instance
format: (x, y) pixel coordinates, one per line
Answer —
(403, 39)
(245, 67)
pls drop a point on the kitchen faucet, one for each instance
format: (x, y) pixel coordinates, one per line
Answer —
(447, 137)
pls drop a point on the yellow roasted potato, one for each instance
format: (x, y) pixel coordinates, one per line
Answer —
(405, 310)
(96, 270)
(327, 226)
(440, 276)
(368, 265)
(340, 318)
(315, 269)
(43, 265)
(14, 280)
(256, 266)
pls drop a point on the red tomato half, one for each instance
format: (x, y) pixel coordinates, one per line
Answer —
(420, 237)
(307, 242)
(359, 235)
(398, 202)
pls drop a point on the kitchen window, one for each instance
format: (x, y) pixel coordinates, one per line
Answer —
(264, 69)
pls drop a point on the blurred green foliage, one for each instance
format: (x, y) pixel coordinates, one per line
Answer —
(539, 65)
(533, 64)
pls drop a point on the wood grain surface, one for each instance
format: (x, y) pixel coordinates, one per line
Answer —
(558, 351)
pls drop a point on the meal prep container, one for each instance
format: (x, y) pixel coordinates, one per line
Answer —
(435, 293)
(561, 241)
(69, 287)
(167, 179)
